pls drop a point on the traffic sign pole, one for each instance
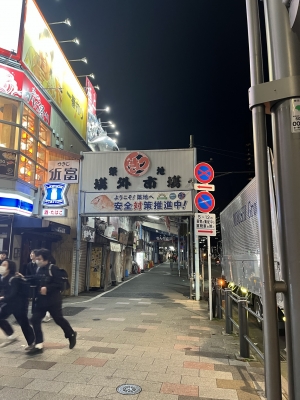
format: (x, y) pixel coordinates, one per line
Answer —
(209, 278)
(197, 268)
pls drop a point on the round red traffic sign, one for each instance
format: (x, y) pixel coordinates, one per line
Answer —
(204, 202)
(204, 172)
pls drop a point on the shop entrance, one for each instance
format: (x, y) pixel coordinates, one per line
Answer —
(130, 203)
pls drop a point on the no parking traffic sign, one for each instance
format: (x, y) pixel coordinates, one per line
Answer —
(204, 172)
(204, 202)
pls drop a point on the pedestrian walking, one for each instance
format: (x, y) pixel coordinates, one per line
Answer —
(48, 298)
(3, 255)
(29, 270)
(13, 301)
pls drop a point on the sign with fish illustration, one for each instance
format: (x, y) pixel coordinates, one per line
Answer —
(138, 202)
(138, 182)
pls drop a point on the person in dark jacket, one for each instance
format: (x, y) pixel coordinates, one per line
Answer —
(48, 298)
(12, 301)
(30, 268)
(3, 255)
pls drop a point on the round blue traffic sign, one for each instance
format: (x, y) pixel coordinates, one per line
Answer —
(204, 172)
(204, 202)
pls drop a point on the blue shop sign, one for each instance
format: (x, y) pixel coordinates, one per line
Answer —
(16, 204)
(55, 194)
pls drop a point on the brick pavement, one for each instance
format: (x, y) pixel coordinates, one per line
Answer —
(144, 332)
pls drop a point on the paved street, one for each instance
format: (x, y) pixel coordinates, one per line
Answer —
(144, 332)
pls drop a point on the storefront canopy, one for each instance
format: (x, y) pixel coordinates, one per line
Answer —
(39, 225)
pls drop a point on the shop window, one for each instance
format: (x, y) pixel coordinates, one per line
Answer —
(44, 135)
(9, 136)
(26, 169)
(41, 155)
(40, 175)
(9, 110)
(28, 145)
(29, 121)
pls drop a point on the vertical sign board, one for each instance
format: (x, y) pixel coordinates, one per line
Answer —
(295, 115)
(205, 224)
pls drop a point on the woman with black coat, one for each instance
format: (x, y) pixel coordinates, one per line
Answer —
(13, 301)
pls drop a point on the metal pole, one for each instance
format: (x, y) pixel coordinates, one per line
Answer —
(219, 299)
(228, 311)
(191, 141)
(203, 273)
(284, 61)
(271, 340)
(244, 331)
(178, 247)
(197, 274)
(188, 247)
(191, 248)
(209, 278)
(78, 233)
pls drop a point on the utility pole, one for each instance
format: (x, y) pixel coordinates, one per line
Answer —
(282, 96)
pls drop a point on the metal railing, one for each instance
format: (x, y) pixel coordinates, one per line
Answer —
(242, 326)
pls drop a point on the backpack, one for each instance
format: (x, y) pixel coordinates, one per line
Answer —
(64, 284)
(24, 286)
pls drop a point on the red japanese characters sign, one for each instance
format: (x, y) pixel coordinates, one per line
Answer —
(15, 83)
(92, 96)
(136, 163)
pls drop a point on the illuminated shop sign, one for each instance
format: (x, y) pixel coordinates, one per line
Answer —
(15, 83)
(44, 58)
(55, 195)
(10, 22)
(54, 212)
(16, 204)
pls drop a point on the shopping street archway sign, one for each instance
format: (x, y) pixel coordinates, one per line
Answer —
(137, 182)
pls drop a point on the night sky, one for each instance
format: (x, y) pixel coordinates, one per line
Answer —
(168, 69)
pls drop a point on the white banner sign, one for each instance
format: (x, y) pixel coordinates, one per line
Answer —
(138, 202)
(66, 171)
(116, 247)
(57, 212)
(205, 224)
(138, 171)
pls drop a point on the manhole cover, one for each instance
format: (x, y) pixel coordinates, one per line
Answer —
(96, 319)
(129, 389)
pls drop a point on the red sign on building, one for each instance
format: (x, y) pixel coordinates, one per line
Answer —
(15, 83)
(92, 96)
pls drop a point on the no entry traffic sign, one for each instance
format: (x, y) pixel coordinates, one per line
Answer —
(204, 202)
(204, 172)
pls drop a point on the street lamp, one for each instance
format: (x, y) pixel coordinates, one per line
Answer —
(95, 87)
(109, 124)
(75, 40)
(66, 22)
(113, 133)
(107, 109)
(84, 59)
(84, 76)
